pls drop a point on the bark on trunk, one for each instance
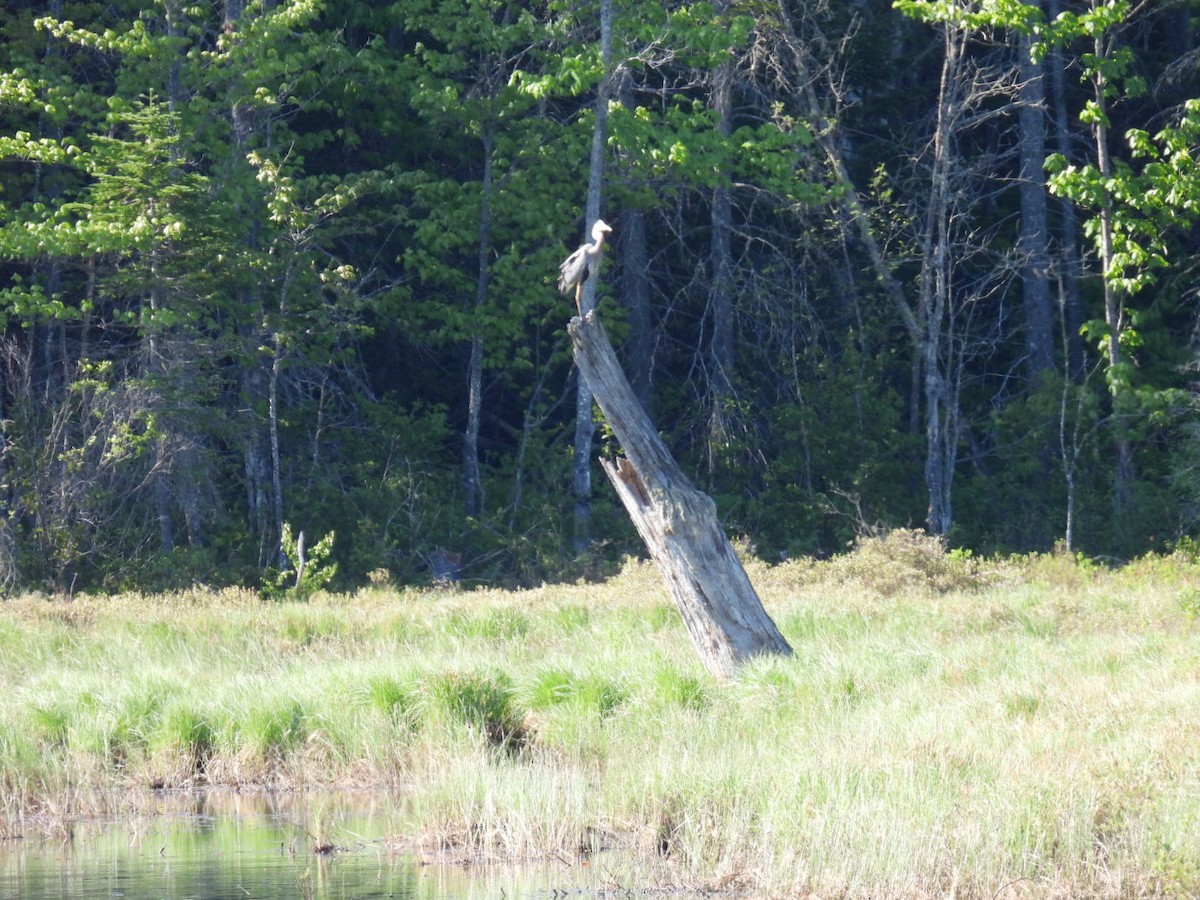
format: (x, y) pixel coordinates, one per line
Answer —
(721, 255)
(1034, 239)
(1071, 306)
(635, 282)
(256, 378)
(934, 292)
(1114, 299)
(472, 480)
(724, 616)
(585, 428)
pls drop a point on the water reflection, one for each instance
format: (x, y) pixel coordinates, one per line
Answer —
(217, 846)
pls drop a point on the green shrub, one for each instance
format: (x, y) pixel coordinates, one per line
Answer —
(310, 569)
(903, 560)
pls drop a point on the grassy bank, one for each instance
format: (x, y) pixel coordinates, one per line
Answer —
(946, 726)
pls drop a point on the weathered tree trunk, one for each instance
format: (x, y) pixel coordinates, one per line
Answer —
(935, 295)
(722, 612)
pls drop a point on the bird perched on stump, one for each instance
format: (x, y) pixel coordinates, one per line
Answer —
(577, 267)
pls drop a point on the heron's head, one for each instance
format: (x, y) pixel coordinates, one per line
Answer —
(600, 229)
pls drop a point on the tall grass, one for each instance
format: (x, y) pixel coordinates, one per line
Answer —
(947, 726)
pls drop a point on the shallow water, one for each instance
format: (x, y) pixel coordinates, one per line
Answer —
(235, 847)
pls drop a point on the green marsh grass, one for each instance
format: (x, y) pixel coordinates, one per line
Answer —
(946, 727)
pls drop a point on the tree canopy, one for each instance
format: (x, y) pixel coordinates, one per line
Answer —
(272, 266)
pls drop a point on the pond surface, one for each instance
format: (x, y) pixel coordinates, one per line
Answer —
(222, 847)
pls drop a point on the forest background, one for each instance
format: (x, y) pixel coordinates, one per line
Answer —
(289, 264)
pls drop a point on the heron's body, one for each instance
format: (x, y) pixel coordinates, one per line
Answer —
(578, 267)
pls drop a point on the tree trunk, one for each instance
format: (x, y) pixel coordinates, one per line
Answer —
(255, 376)
(635, 282)
(161, 472)
(585, 428)
(934, 291)
(1069, 300)
(471, 480)
(1033, 239)
(1114, 299)
(724, 616)
(273, 436)
(635, 292)
(256, 466)
(721, 260)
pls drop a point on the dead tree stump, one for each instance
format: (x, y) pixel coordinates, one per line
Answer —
(722, 612)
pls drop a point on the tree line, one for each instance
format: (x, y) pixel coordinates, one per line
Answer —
(281, 265)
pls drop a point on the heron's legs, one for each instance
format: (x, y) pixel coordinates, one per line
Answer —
(579, 298)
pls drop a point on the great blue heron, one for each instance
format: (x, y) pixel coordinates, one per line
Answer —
(579, 265)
